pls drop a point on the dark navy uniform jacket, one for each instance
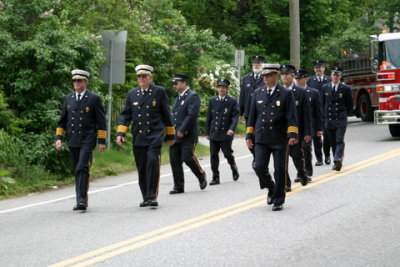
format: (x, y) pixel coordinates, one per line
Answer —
(150, 116)
(221, 117)
(337, 106)
(303, 111)
(273, 119)
(249, 84)
(314, 83)
(314, 97)
(82, 122)
(185, 114)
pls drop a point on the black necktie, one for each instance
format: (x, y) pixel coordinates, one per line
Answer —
(269, 92)
(334, 90)
(79, 97)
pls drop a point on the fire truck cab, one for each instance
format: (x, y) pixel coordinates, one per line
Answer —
(374, 78)
(386, 64)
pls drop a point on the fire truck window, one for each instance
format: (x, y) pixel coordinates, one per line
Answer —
(390, 55)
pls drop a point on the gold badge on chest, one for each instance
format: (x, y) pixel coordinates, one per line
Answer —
(154, 103)
(87, 109)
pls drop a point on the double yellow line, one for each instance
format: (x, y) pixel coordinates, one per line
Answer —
(149, 238)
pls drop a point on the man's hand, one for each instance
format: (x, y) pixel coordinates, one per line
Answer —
(320, 133)
(293, 141)
(171, 142)
(58, 145)
(307, 138)
(120, 140)
(249, 143)
(230, 132)
(102, 147)
(179, 134)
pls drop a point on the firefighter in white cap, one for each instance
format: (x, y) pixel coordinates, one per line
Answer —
(82, 121)
(147, 108)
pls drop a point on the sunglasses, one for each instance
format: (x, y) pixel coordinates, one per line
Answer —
(142, 76)
(269, 74)
(78, 80)
(174, 83)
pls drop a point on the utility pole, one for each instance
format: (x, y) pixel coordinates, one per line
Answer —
(294, 14)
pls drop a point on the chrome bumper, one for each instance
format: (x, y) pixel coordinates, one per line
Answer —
(387, 116)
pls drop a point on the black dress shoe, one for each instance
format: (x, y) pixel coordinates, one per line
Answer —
(235, 176)
(297, 180)
(318, 163)
(214, 182)
(176, 191)
(288, 188)
(80, 206)
(143, 204)
(327, 161)
(304, 180)
(277, 207)
(203, 184)
(309, 179)
(338, 165)
(152, 203)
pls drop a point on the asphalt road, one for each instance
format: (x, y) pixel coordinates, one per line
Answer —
(347, 218)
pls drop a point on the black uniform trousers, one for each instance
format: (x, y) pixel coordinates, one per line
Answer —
(148, 163)
(319, 144)
(263, 153)
(81, 159)
(226, 147)
(184, 152)
(307, 150)
(297, 155)
(336, 138)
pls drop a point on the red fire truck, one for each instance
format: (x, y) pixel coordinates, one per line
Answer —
(375, 81)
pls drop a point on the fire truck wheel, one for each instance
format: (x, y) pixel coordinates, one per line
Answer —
(364, 108)
(394, 130)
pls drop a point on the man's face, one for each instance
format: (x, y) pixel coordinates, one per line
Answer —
(222, 90)
(319, 70)
(270, 78)
(144, 80)
(287, 77)
(79, 84)
(257, 67)
(179, 86)
(336, 78)
(301, 82)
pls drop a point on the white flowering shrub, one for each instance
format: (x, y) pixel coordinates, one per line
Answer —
(207, 81)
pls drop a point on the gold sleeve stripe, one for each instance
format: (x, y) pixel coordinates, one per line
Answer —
(250, 130)
(293, 129)
(122, 129)
(60, 131)
(101, 134)
(170, 130)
